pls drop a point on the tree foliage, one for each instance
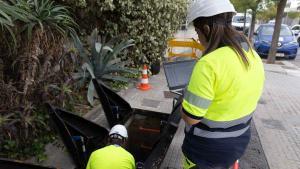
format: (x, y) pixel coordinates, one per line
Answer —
(242, 6)
(267, 11)
(293, 14)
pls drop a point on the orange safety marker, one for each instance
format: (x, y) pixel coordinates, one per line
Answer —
(236, 165)
(144, 85)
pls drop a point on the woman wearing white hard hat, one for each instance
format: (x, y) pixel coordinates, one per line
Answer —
(113, 156)
(223, 90)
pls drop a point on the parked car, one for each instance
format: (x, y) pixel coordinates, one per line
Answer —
(296, 31)
(238, 22)
(272, 21)
(298, 39)
(287, 45)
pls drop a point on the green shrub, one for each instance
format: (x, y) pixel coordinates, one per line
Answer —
(149, 22)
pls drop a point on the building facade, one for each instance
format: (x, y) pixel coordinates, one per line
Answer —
(292, 6)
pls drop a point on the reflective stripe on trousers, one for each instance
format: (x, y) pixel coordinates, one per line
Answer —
(217, 134)
(226, 124)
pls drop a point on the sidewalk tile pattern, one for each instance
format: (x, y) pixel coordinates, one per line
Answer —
(278, 121)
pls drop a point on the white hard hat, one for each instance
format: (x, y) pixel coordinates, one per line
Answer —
(207, 8)
(119, 130)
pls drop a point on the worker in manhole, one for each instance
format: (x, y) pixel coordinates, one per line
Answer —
(223, 91)
(113, 156)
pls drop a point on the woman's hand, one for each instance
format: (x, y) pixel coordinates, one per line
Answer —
(187, 119)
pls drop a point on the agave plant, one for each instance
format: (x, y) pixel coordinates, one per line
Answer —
(45, 13)
(47, 26)
(5, 19)
(102, 62)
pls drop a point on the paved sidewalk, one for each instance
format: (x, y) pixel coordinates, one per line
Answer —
(155, 99)
(278, 117)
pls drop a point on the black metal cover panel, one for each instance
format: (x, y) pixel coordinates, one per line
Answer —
(178, 73)
(72, 129)
(116, 109)
(11, 164)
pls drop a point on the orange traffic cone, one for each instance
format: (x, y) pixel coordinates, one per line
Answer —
(236, 165)
(144, 85)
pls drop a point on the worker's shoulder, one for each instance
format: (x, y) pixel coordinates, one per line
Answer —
(121, 150)
(127, 153)
(227, 56)
(112, 149)
(105, 149)
(215, 58)
(219, 54)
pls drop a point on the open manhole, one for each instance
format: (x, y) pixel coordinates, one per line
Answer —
(144, 132)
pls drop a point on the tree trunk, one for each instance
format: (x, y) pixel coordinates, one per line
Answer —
(245, 20)
(252, 27)
(276, 33)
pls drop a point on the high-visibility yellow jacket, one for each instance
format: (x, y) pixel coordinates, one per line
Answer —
(223, 93)
(111, 157)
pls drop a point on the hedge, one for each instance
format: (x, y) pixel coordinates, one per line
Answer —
(149, 22)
